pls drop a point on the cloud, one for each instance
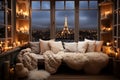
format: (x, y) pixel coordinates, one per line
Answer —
(87, 17)
(64, 13)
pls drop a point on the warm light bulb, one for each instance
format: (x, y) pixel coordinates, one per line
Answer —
(108, 43)
(107, 12)
(116, 54)
(108, 29)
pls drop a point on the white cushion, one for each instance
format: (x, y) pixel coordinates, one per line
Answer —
(82, 46)
(72, 46)
(35, 47)
(98, 46)
(56, 46)
(91, 45)
(44, 45)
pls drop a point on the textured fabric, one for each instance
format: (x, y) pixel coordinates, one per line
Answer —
(91, 45)
(70, 47)
(38, 75)
(76, 61)
(98, 46)
(27, 59)
(96, 62)
(35, 47)
(52, 61)
(82, 46)
(44, 46)
(56, 46)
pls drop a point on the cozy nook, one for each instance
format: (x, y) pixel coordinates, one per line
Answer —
(59, 39)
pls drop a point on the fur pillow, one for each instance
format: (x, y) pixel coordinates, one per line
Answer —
(44, 45)
(70, 47)
(56, 46)
(35, 47)
(82, 46)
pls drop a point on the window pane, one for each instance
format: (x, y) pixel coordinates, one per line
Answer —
(1, 17)
(59, 5)
(88, 24)
(45, 5)
(2, 31)
(0, 5)
(35, 4)
(40, 25)
(64, 32)
(83, 4)
(93, 4)
(69, 4)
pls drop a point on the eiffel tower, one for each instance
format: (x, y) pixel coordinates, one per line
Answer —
(65, 32)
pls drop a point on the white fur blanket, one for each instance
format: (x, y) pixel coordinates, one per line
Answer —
(97, 61)
(75, 61)
(91, 62)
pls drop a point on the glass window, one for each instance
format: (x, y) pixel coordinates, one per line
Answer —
(64, 25)
(83, 4)
(2, 27)
(40, 25)
(2, 31)
(88, 21)
(0, 5)
(59, 4)
(69, 4)
(93, 4)
(2, 17)
(45, 5)
(35, 4)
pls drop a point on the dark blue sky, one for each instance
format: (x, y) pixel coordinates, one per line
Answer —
(87, 18)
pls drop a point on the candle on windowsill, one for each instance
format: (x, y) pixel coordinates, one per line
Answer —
(116, 55)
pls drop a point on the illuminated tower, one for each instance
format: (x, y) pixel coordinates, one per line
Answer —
(65, 30)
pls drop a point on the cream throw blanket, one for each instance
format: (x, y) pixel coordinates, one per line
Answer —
(87, 61)
(73, 60)
(52, 61)
(26, 57)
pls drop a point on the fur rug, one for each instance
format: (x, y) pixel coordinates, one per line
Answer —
(38, 75)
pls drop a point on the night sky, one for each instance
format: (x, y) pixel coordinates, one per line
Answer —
(88, 18)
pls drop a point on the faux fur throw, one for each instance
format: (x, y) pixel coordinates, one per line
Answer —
(52, 61)
(25, 57)
(75, 61)
(97, 61)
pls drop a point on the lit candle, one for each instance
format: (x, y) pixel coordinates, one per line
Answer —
(0, 45)
(18, 43)
(108, 43)
(106, 13)
(14, 44)
(116, 55)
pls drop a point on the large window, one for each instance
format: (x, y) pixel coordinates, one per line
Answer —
(88, 20)
(40, 20)
(45, 22)
(64, 18)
